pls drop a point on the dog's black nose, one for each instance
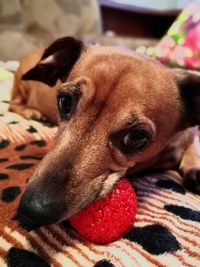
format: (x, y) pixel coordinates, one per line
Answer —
(37, 209)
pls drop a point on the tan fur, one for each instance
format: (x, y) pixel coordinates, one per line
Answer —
(33, 99)
(117, 85)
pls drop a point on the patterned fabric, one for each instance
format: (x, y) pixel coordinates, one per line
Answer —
(166, 231)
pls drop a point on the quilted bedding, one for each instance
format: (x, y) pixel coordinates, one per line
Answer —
(166, 231)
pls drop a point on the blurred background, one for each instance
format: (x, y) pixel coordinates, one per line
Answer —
(27, 24)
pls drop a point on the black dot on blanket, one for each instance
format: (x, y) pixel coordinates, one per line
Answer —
(5, 101)
(10, 193)
(154, 238)
(4, 143)
(24, 157)
(184, 213)
(13, 122)
(20, 147)
(104, 263)
(39, 143)
(1, 115)
(3, 159)
(31, 129)
(20, 166)
(3, 176)
(23, 258)
(169, 184)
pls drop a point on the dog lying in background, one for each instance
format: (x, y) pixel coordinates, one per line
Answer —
(118, 112)
(33, 99)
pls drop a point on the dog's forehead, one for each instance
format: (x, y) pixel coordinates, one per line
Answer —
(109, 68)
(118, 58)
(125, 82)
(122, 74)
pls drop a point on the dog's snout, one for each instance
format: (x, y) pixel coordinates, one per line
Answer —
(38, 208)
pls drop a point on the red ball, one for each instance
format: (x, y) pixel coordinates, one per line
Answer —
(109, 218)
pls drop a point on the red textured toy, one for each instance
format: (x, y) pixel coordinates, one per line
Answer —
(109, 218)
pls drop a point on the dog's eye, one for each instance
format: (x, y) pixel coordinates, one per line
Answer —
(65, 104)
(135, 140)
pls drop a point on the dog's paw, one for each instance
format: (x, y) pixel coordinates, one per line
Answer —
(191, 179)
(33, 114)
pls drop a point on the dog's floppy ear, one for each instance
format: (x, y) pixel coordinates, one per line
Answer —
(56, 62)
(189, 86)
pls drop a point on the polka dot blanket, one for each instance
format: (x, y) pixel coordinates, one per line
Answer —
(166, 231)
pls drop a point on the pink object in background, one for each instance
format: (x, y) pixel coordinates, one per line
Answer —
(180, 47)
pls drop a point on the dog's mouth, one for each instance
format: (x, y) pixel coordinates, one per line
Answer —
(28, 221)
(25, 222)
(28, 225)
(109, 183)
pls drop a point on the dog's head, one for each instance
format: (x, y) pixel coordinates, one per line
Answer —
(116, 110)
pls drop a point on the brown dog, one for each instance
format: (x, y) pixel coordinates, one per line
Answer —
(119, 112)
(33, 99)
